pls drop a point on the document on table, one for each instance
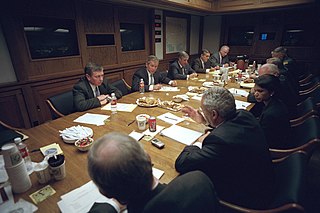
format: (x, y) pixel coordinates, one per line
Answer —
(239, 92)
(242, 104)
(170, 118)
(90, 118)
(181, 134)
(197, 97)
(168, 89)
(157, 173)
(136, 135)
(121, 107)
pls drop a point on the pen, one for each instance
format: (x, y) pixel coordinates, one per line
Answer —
(170, 118)
(131, 123)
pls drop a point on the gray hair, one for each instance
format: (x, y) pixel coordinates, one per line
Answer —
(183, 54)
(270, 69)
(92, 67)
(120, 167)
(152, 58)
(220, 100)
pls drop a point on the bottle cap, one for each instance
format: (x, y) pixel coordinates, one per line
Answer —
(17, 140)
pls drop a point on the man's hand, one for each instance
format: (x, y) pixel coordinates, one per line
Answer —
(193, 75)
(157, 87)
(104, 99)
(193, 114)
(174, 83)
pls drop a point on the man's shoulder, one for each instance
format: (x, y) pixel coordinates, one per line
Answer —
(81, 83)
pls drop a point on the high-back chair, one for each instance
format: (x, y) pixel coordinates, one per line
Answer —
(61, 104)
(122, 86)
(290, 186)
(305, 136)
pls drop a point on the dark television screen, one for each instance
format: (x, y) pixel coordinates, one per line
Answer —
(132, 37)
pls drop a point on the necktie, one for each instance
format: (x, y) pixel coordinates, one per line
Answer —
(183, 71)
(151, 79)
(97, 92)
(202, 64)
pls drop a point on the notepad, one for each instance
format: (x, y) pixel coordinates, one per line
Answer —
(181, 134)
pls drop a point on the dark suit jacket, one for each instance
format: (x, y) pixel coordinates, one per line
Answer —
(175, 71)
(192, 192)
(215, 58)
(274, 120)
(236, 158)
(83, 97)
(197, 65)
(143, 73)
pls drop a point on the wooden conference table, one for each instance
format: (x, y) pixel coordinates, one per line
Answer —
(76, 161)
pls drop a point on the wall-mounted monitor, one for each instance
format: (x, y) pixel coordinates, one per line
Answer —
(267, 36)
(132, 37)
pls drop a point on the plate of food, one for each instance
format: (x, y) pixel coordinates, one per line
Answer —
(74, 133)
(170, 105)
(246, 85)
(198, 90)
(212, 83)
(147, 102)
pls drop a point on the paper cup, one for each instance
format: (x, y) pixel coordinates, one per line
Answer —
(57, 167)
(42, 172)
(141, 122)
(19, 178)
(11, 155)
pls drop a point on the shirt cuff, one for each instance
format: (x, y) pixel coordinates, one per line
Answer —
(151, 87)
(188, 77)
(207, 70)
(198, 144)
(114, 205)
(170, 83)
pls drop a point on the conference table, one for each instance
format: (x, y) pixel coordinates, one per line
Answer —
(76, 161)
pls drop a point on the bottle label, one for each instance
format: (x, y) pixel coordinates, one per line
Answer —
(24, 152)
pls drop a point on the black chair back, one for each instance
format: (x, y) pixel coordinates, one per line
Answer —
(122, 86)
(61, 104)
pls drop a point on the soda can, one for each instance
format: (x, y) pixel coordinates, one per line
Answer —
(152, 124)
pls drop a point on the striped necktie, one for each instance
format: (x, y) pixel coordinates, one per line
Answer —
(97, 92)
(151, 79)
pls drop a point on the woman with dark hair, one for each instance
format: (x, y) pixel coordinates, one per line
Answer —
(273, 117)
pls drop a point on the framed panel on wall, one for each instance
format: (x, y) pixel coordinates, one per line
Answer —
(176, 34)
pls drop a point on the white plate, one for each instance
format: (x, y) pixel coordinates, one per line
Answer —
(211, 84)
(247, 85)
(67, 139)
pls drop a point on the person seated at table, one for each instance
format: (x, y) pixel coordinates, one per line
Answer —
(281, 53)
(221, 58)
(202, 64)
(274, 116)
(93, 90)
(180, 69)
(122, 170)
(151, 76)
(234, 154)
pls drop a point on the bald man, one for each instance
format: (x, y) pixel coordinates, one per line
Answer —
(218, 59)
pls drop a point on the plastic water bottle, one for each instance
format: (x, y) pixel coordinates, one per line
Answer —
(113, 103)
(24, 153)
(141, 86)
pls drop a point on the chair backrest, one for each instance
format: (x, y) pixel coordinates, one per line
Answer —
(290, 177)
(290, 186)
(61, 104)
(122, 86)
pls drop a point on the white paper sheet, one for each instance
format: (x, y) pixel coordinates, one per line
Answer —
(168, 89)
(121, 107)
(170, 118)
(242, 104)
(90, 118)
(136, 135)
(197, 97)
(238, 92)
(152, 134)
(157, 173)
(181, 134)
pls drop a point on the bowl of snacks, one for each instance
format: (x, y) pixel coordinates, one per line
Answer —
(84, 144)
(177, 99)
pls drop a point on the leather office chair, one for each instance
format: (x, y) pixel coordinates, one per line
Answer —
(305, 137)
(61, 104)
(122, 86)
(304, 110)
(290, 185)
(9, 133)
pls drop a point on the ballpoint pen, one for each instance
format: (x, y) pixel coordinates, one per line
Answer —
(131, 123)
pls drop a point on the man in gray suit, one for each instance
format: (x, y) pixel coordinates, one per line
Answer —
(93, 90)
(218, 59)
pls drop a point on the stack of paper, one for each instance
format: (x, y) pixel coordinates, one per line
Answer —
(170, 118)
(181, 134)
(242, 104)
(121, 107)
(238, 92)
(168, 89)
(95, 119)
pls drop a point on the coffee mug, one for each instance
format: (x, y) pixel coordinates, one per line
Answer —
(141, 122)
(42, 172)
(57, 167)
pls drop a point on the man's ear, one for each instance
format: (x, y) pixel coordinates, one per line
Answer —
(88, 77)
(215, 115)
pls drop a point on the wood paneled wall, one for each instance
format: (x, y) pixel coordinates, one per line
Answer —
(22, 104)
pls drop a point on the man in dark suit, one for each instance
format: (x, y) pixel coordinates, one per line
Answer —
(234, 154)
(218, 59)
(152, 78)
(202, 64)
(180, 69)
(93, 89)
(122, 170)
